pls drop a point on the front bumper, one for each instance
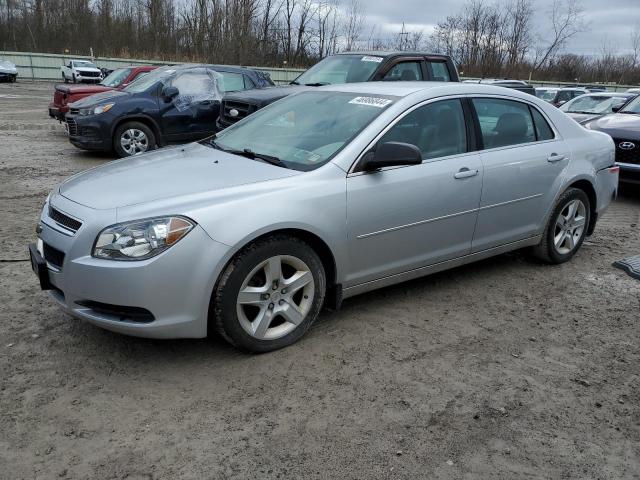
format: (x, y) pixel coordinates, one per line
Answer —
(174, 287)
(91, 132)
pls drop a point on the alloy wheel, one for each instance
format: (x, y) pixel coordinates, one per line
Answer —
(569, 226)
(134, 141)
(275, 297)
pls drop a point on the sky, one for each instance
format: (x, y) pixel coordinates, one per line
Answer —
(608, 21)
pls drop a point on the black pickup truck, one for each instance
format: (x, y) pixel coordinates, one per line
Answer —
(348, 67)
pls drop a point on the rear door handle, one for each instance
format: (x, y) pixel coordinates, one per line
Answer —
(464, 172)
(554, 157)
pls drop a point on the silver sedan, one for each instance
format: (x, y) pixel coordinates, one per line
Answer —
(320, 196)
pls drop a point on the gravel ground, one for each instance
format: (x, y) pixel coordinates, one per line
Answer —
(502, 369)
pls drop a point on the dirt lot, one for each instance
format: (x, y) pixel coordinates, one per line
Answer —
(499, 370)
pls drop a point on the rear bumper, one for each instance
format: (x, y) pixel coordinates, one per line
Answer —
(57, 112)
(629, 173)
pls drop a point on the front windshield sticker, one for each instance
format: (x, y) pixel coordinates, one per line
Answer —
(371, 101)
(371, 59)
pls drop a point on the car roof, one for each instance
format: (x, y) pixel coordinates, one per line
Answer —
(404, 89)
(225, 68)
(394, 53)
(609, 94)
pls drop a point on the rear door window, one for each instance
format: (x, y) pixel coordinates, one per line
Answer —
(405, 71)
(439, 71)
(504, 122)
(543, 130)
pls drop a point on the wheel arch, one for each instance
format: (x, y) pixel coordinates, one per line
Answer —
(144, 119)
(587, 187)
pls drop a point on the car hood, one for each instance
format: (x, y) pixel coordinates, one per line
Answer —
(82, 88)
(618, 125)
(87, 69)
(7, 67)
(167, 173)
(99, 98)
(265, 96)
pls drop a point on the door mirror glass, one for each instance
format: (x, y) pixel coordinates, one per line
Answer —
(392, 154)
(169, 93)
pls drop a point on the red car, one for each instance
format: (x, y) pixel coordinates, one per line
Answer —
(116, 80)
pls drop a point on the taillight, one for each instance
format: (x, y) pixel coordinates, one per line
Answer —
(615, 169)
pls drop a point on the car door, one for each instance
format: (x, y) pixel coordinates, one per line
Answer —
(404, 218)
(192, 114)
(523, 158)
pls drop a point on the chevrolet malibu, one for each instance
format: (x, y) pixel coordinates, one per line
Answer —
(318, 197)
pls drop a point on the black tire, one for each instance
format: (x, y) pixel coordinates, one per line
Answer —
(117, 146)
(73, 77)
(64, 77)
(546, 250)
(223, 317)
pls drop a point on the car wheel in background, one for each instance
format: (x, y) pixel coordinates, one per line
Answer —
(73, 77)
(566, 229)
(133, 138)
(64, 77)
(269, 294)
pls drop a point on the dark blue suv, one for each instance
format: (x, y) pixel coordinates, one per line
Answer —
(171, 104)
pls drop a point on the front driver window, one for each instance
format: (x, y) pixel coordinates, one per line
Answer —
(437, 129)
(404, 71)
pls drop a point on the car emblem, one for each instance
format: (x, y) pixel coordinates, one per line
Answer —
(233, 112)
(627, 145)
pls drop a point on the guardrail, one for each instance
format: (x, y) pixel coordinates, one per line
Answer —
(46, 66)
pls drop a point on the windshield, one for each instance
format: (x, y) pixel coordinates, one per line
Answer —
(304, 131)
(633, 106)
(115, 78)
(340, 69)
(84, 65)
(593, 104)
(546, 95)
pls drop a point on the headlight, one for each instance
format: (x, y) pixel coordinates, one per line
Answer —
(96, 110)
(141, 239)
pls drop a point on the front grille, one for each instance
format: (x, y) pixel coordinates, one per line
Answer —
(73, 126)
(52, 255)
(120, 312)
(64, 220)
(242, 108)
(89, 74)
(627, 155)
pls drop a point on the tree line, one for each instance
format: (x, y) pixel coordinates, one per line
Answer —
(486, 38)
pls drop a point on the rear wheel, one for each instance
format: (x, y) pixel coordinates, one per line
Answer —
(73, 77)
(269, 294)
(566, 229)
(133, 138)
(64, 77)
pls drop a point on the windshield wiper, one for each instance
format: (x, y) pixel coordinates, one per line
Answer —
(316, 84)
(248, 153)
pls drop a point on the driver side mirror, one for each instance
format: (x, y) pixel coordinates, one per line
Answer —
(391, 154)
(169, 93)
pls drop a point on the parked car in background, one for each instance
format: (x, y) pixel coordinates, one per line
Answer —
(563, 95)
(519, 85)
(592, 105)
(8, 71)
(347, 67)
(624, 127)
(546, 93)
(63, 95)
(323, 195)
(80, 71)
(633, 90)
(168, 105)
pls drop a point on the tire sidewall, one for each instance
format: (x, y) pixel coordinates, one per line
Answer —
(127, 125)
(226, 293)
(568, 196)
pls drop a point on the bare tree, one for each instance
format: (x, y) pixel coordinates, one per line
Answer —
(353, 25)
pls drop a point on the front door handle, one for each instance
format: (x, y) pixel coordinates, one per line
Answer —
(464, 172)
(554, 157)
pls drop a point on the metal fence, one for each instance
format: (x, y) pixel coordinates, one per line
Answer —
(46, 66)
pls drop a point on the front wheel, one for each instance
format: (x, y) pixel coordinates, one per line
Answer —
(64, 77)
(566, 229)
(133, 138)
(269, 294)
(73, 77)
